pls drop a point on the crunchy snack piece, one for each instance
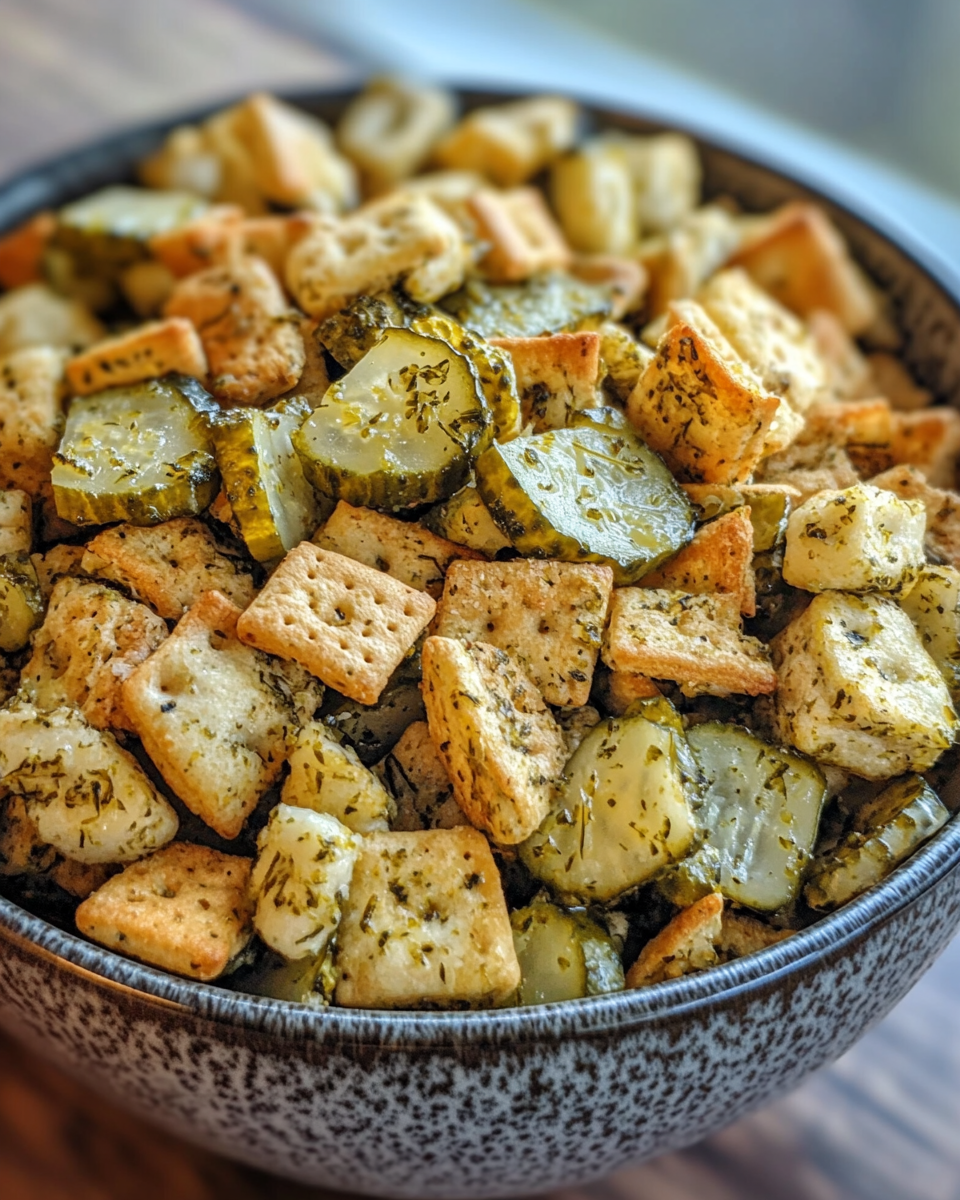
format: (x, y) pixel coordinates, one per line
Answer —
(520, 231)
(145, 352)
(91, 640)
(889, 377)
(666, 176)
(849, 373)
(218, 718)
(36, 315)
(199, 243)
(699, 405)
(509, 143)
(168, 566)
(617, 690)
(184, 909)
(625, 278)
(861, 539)
(797, 255)
(857, 690)
(408, 552)
(16, 517)
(53, 563)
(348, 624)
(314, 379)
(942, 509)
(592, 193)
(502, 748)
(933, 605)
(741, 934)
(809, 467)
(677, 262)
(251, 339)
(693, 640)
(929, 440)
(401, 238)
(425, 923)
(146, 287)
(556, 375)
(689, 943)
(327, 776)
(21, 250)
(719, 559)
(550, 614)
(31, 416)
(417, 776)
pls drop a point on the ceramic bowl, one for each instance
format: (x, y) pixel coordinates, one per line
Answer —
(479, 1104)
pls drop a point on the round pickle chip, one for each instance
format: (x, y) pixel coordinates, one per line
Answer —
(402, 427)
(586, 495)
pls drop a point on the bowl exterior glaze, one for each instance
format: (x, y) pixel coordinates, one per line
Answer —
(499, 1103)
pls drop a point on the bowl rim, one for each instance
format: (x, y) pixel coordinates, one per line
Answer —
(724, 985)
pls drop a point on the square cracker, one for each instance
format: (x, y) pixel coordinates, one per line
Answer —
(184, 909)
(425, 924)
(550, 614)
(719, 559)
(145, 352)
(350, 625)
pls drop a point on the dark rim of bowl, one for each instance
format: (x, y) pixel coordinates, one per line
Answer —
(65, 176)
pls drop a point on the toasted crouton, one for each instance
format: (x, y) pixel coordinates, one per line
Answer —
(849, 373)
(617, 690)
(21, 250)
(200, 243)
(942, 509)
(90, 641)
(556, 375)
(184, 909)
(809, 468)
(31, 416)
(425, 923)
(406, 551)
(591, 190)
(273, 237)
(314, 379)
(145, 352)
(857, 690)
(699, 405)
(502, 747)
(417, 777)
(677, 262)
(692, 640)
(36, 315)
(688, 943)
(16, 522)
(889, 377)
(522, 236)
(719, 559)
(327, 777)
(218, 718)
(53, 563)
(666, 176)
(741, 934)
(930, 440)
(549, 614)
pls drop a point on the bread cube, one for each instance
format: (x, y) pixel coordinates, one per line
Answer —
(89, 798)
(719, 559)
(31, 416)
(617, 690)
(942, 509)
(519, 229)
(687, 944)
(16, 522)
(144, 352)
(417, 776)
(666, 177)
(856, 688)
(849, 373)
(302, 875)
(891, 378)
(809, 467)
(54, 563)
(36, 315)
(327, 777)
(592, 193)
(933, 605)
(184, 909)
(425, 924)
(556, 375)
(680, 259)
(859, 539)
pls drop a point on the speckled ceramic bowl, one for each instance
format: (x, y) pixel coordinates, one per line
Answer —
(491, 1103)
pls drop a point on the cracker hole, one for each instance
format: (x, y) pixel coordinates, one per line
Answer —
(368, 658)
(378, 599)
(391, 628)
(344, 645)
(407, 610)
(366, 633)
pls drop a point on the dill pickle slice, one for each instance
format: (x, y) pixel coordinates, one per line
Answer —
(586, 495)
(563, 955)
(142, 454)
(884, 832)
(354, 330)
(622, 816)
(604, 417)
(466, 520)
(21, 604)
(545, 303)
(760, 817)
(274, 505)
(402, 427)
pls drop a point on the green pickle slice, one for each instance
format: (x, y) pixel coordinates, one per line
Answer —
(21, 604)
(546, 303)
(562, 955)
(885, 832)
(142, 454)
(586, 495)
(401, 428)
(354, 330)
(466, 520)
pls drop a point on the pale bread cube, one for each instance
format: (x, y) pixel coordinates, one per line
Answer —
(625, 278)
(860, 539)
(556, 375)
(689, 943)
(89, 798)
(217, 717)
(719, 559)
(519, 229)
(302, 876)
(36, 315)
(933, 605)
(16, 522)
(857, 690)
(200, 243)
(31, 416)
(849, 372)
(169, 566)
(185, 162)
(327, 777)
(592, 193)
(666, 175)
(91, 640)
(417, 777)
(549, 614)
(425, 924)
(502, 748)
(942, 509)
(678, 261)
(54, 563)
(184, 909)
(144, 352)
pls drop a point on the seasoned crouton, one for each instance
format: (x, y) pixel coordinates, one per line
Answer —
(678, 261)
(168, 566)
(849, 373)
(21, 250)
(741, 934)
(53, 563)
(146, 287)
(933, 605)
(145, 352)
(549, 614)
(797, 255)
(31, 416)
(617, 690)
(36, 315)
(592, 193)
(889, 377)
(199, 243)
(417, 776)
(327, 777)
(666, 177)
(942, 509)
(88, 798)
(699, 405)
(406, 551)
(16, 522)
(184, 909)
(502, 747)
(91, 640)
(857, 690)
(187, 162)
(522, 236)
(425, 923)
(692, 640)
(930, 440)
(687, 944)
(510, 143)
(556, 375)
(314, 379)
(250, 337)
(719, 559)
(218, 718)
(809, 467)
(273, 237)
(860, 539)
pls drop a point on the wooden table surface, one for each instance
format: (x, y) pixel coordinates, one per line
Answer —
(881, 1124)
